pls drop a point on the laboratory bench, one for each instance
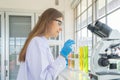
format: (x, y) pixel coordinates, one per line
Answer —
(69, 74)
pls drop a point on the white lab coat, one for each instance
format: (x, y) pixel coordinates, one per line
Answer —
(39, 63)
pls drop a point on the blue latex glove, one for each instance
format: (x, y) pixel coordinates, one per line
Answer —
(67, 48)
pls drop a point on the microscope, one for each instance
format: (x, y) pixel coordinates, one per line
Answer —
(105, 56)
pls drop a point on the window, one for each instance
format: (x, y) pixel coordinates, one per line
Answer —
(90, 15)
(84, 5)
(19, 28)
(78, 23)
(0, 47)
(106, 11)
(112, 5)
(78, 10)
(83, 18)
(100, 8)
(89, 2)
(113, 20)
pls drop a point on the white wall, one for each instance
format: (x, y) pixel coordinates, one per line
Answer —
(69, 21)
(40, 6)
(30, 4)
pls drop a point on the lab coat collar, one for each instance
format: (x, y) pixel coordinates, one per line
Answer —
(45, 40)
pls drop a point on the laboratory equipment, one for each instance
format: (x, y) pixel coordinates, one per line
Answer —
(105, 58)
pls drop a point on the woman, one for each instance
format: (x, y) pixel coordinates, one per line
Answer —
(36, 59)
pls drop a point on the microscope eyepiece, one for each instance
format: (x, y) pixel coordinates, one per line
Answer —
(105, 29)
(100, 29)
(90, 27)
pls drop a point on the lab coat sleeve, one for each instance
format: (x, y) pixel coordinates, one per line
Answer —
(38, 66)
(56, 67)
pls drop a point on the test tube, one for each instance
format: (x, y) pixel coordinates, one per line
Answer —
(81, 57)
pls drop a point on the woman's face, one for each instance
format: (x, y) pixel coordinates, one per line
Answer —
(55, 27)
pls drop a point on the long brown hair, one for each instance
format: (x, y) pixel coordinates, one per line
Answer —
(40, 28)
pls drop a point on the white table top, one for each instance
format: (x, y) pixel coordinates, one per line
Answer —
(69, 74)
